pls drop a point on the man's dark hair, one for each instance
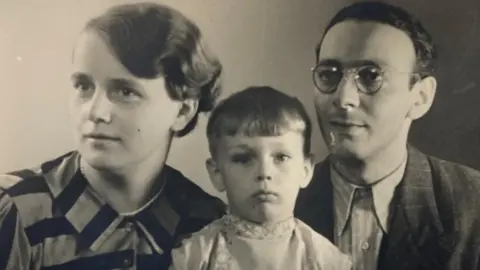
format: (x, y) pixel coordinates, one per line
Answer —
(425, 49)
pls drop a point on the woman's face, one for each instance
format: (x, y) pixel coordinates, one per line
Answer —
(119, 119)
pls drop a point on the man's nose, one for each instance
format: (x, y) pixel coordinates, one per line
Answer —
(346, 96)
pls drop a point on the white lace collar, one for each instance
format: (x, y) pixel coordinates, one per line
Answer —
(245, 228)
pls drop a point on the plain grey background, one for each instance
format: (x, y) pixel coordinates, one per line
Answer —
(260, 42)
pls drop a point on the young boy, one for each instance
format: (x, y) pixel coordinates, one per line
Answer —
(259, 140)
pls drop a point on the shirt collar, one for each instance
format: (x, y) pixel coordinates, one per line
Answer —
(383, 191)
(93, 219)
(248, 229)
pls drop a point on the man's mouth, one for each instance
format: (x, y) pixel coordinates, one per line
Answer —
(345, 125)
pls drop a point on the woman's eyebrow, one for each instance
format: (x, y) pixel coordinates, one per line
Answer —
(80, 76)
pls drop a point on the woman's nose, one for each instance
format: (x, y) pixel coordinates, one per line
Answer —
(99, 108)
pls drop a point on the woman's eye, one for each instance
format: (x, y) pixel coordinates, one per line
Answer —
(83, 86)
(125, 93)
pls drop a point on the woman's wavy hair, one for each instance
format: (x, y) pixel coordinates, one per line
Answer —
(152, 40)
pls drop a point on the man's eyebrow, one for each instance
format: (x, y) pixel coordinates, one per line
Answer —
(365, 62)
(329, 62)
(349, 64)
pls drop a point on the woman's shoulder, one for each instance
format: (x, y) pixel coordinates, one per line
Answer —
(196, 207)
(30, 191)
(189, 194)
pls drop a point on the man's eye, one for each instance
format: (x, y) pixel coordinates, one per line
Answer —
(329, 75)
(327, 78)
(370, 76)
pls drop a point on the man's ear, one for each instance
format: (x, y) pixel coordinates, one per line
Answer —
(424, 94)
(215, 175)
(188, 110)
(308, 167)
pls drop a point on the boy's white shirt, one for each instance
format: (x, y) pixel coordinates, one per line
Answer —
(235, 244)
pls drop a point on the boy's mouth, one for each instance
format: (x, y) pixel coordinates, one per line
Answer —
(265, 196)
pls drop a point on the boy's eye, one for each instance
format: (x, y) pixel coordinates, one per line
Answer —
(281, 157)
(241, 158)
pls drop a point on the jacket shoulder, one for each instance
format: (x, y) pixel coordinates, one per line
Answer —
(455, 177)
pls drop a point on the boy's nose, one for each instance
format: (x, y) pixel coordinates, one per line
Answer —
(263, 177)
(265, 168)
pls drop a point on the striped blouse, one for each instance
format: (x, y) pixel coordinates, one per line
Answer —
(50, 218)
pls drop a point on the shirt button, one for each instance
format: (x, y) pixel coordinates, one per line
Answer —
(365, 246)
(127, 262)
(129, 227)
(362, 192)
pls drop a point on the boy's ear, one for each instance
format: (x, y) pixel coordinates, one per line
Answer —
(215, 175)
(188, 110)
(308, 171)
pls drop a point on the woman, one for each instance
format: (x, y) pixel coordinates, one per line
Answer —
(142, 75)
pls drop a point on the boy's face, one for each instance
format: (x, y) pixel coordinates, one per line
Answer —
(261, 175)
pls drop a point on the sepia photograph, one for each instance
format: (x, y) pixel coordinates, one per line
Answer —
(240, 135)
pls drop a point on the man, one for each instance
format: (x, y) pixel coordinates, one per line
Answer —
(380, 200)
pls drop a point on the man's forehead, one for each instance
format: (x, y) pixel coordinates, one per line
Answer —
(353, 41)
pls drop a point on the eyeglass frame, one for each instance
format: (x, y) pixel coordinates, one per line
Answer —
(418, 76)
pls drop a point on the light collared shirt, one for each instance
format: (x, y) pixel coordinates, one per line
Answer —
(361, 216)
(51, 218)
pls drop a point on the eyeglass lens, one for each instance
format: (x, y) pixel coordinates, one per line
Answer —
(368, 79)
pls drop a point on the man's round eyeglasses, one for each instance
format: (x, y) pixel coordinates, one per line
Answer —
(368, 79)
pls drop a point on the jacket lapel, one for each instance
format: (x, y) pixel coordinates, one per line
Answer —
(414, 222)
(414, 230)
